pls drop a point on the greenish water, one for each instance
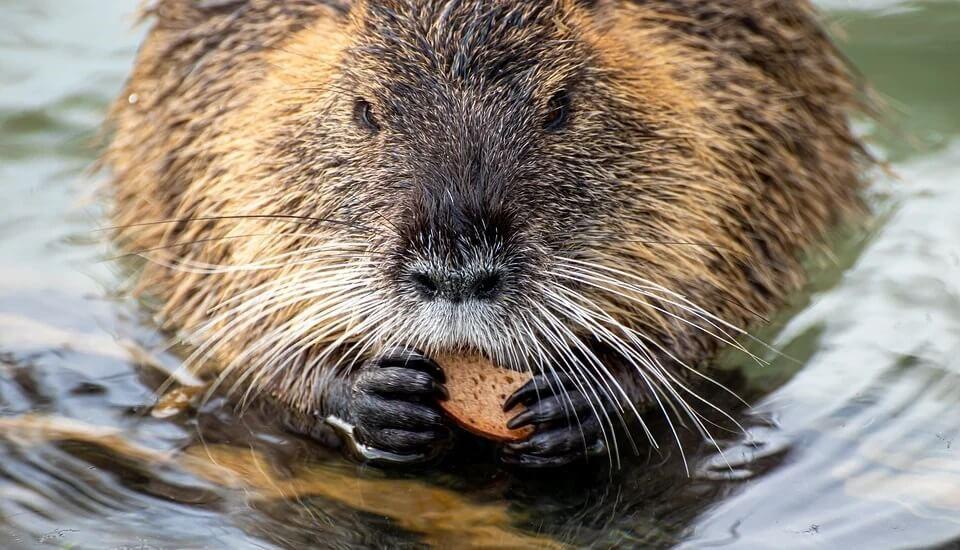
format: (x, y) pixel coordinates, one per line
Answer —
(854, 442)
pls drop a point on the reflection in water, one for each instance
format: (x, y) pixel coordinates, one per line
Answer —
(444, 517)
(853, 438)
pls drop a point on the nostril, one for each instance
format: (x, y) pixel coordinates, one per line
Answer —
(455, 287)
(425, 285)
(486, 286)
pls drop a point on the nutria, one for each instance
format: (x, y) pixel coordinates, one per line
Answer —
(600, 192)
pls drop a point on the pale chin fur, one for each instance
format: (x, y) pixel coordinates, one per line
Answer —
(471, 326)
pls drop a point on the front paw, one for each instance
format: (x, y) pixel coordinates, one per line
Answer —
(393, 408)
(565, 422)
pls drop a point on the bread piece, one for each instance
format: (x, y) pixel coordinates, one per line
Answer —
(478, 389)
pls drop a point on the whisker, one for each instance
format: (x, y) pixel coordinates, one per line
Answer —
(236, 217)
(700, 310)
(312, 255)
(724, 337)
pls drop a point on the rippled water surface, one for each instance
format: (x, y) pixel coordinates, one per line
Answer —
(853, 441)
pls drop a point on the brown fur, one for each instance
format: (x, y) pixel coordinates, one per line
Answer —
(738, 157)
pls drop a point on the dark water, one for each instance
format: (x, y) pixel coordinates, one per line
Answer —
(854, 442)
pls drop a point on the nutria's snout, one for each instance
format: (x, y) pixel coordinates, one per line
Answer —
(460, 264)
(460, 242)
(460, 298)
(462, 274)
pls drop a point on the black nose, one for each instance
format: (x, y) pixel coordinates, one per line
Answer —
(455, 286)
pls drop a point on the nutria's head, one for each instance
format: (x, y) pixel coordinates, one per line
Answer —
(477, 139)
(545, 181)
(477, 152)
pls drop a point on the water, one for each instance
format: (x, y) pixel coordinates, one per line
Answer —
(854, 442)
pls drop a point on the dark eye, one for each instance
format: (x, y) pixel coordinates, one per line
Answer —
(558, 112)
(363, 114)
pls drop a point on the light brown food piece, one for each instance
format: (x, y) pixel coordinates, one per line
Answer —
(478, 389)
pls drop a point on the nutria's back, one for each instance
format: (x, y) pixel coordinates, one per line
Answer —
(604, 188)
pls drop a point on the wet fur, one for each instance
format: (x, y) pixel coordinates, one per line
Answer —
(708, 147)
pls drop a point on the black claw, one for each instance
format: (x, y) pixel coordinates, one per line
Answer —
(411, 359)
(538, 387)
(572, 407)
(539, 414)
(515, 399)
(527, 393)
(521, 419)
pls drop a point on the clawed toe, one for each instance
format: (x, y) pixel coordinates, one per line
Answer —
(566, 428)
(393, 408)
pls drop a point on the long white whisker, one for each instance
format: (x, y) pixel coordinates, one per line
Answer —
(593, 280)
